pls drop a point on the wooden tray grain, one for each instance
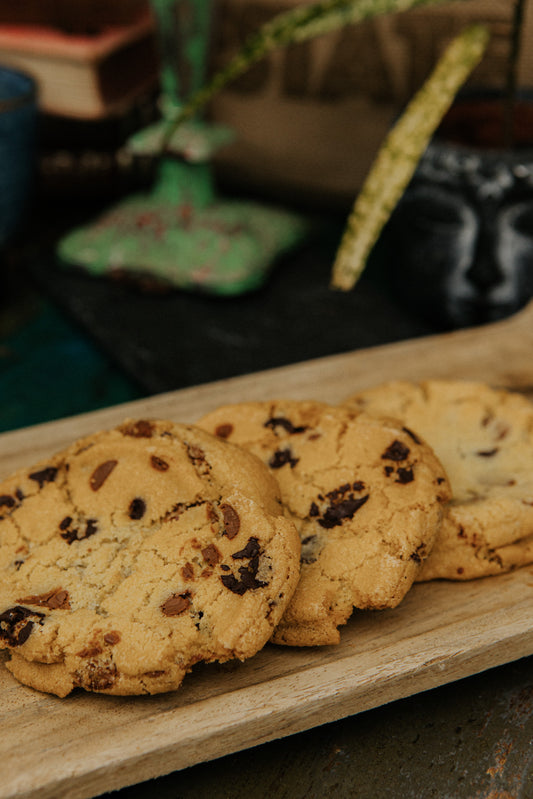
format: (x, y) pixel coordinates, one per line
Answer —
(85, 744)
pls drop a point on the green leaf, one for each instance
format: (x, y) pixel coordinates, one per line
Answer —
(399, 155)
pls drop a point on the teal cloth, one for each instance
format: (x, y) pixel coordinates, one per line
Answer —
(49, 370)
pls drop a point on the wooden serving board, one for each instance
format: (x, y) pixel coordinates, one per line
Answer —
(87, 744)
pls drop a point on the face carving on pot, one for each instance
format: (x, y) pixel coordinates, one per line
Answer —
(461, 239)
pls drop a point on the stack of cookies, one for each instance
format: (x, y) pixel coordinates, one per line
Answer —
(140, 551)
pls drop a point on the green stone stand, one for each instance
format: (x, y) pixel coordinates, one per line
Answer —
(181, 233)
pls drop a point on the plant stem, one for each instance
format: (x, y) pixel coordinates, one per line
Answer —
(303, 22)
(399, 155)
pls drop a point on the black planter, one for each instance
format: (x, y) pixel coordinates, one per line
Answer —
(460, 243)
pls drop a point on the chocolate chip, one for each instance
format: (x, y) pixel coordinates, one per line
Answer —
(232, 522)
(112, 637)
(248, 580)
(90, 651)
(336, 513)
(211, 555)
(286, 424)
(57, 599)
(251, 549)
(176, 604)
(101, 473)
(72, 534)
(224, 430)
(97, 677)
(281, 457)
(139, 429)
(313, 510)
(187, 571)
(487, 453)
(137, 508)
(404, 475)
(17, 623)
(397, 451)
(46, 475)
(6, 501)
(158, 463)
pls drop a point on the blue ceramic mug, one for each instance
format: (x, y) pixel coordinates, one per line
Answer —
(18, 131)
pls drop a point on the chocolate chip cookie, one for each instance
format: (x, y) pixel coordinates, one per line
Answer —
(137, 552)
(365, 494)
(484, 438)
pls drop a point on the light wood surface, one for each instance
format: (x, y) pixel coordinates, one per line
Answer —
(85, 744)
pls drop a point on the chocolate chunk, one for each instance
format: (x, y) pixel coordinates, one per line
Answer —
(158, 463)
(112, 637)
(46, 475)
(187, 571)
(176, 604)
(336, 513)
(286, 424)
(487, 453)
(211, 555)
(248, 580)
(358, 485)
(411, 435)
(224, 430)
(57, 599)
(90, 651)
(232, 522)
(281, 457)
(98, 677)
(71, 534)
(338, 492)
(389, 470)
(6, 501)
(404, 475)
(137, 508)
(313, 510)
(225, 567)
(397, 451)
(17, 623)
(139, 429)
(251, 549)
(101, 473)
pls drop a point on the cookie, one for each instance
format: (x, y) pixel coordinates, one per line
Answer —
(484, 439)
(365, 495)
(136, 553)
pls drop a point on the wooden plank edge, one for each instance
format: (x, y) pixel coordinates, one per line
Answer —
(96, 772)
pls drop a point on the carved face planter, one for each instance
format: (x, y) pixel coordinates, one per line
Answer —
(461, 240)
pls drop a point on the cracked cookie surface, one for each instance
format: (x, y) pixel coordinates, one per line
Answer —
(137, 552)
(484, 438)
(365, 495)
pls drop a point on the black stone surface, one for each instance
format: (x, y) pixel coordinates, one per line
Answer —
(171, 340)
